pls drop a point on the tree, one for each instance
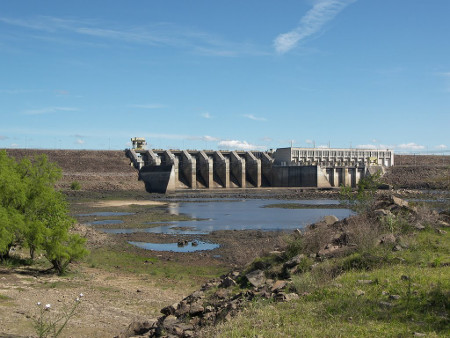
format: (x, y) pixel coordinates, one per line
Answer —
(33, 213)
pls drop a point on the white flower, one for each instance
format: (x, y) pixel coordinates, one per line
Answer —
(81, 295)
(47, 306)
(38, 303)
(77, 299)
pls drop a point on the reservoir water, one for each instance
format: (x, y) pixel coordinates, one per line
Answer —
(246, 214)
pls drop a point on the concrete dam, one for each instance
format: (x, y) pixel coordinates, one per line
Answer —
(170, 170)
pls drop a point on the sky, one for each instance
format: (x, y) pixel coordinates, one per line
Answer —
(236, 74)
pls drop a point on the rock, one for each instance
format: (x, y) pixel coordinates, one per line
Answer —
(283, 297)
(365, 281)
(196, 308)
(385, 304)
(443, 224)
(221, 293)
(382, 212)
(419, 334)
(227, 282)
(182, 242)
(360, 293)
(397, 248)
(256, 278)
(138, 328)
(340, 239)
(279, 284)
(394, 297)
(387, 239)
(169, 310)
(329, 250)
(293, 261)
(330, 220)
(419, 227)
(399, 202)
(441, 232)
(404, 277)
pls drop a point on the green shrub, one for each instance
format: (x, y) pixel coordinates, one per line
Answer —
(75, 185)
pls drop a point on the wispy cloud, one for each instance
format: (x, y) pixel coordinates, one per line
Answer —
(254, 118)
(2, 137)
(240, 145)
(206, 115)
(148, 106)
(157, 34)
(311, 23)
(48, 110)
(410, 146)
(441, 147)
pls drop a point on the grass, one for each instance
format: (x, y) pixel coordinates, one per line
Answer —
(167, 273)
(409, 292)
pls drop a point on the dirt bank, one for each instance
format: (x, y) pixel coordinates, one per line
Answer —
(109, 170)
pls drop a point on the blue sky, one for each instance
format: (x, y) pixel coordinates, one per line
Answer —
(247, 74)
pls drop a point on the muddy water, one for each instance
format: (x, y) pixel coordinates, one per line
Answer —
(239, 215)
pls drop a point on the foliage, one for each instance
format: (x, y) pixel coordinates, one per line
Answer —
(363, 199)
(75, 185)
(33, 214)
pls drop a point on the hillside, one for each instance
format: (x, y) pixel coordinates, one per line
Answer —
(105, 170)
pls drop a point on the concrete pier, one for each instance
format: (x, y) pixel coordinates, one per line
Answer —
(169, 170)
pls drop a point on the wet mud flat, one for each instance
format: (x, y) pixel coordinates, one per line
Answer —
(236, 247)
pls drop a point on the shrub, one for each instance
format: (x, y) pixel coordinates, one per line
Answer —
(75, 185)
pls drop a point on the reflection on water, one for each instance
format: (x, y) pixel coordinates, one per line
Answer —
(242, 215)
(201, 246)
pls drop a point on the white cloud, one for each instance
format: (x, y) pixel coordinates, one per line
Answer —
(207, 115)
(79, 141)
(311, 23)
(2, 137)
(309, 141)
(239, 145)
(410, 146)
(254, 118)
(323, 146)
(366, 146)
(441, 146)
(48, 110)
(14, 145)
(208, 138)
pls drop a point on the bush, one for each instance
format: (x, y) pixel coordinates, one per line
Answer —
(75, 185)
(33, 213)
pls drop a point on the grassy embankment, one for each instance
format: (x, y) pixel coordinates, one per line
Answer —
(396, 289)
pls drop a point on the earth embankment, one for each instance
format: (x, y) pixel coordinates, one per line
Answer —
(110, 170)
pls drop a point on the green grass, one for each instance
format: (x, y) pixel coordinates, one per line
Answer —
(410, 292)
(161, 271)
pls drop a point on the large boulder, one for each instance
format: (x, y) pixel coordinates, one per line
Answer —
(256, 278)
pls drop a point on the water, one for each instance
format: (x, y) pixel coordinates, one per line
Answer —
(242, 215)
(106, 214)
(201, 246)
(106, 221)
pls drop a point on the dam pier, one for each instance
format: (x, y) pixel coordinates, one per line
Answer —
(164, 170)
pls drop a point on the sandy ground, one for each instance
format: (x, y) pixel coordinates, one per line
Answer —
(123, 203)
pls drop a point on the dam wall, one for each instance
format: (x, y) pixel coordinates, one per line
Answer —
(170, 170)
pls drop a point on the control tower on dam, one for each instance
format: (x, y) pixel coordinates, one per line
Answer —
(164, 170)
